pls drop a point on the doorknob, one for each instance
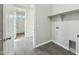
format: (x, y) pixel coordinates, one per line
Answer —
(5, 39)
(8, 38)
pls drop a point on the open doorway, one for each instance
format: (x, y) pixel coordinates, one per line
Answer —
(20, 24)
(24, 30)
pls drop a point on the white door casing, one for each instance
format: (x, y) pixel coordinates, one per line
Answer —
(17, 9)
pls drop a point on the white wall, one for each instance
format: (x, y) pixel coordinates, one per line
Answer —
(69, 29)
(20, 23)
(69, 25)
(56, 33)
(60, 8)
(43, 29)
(20, 26)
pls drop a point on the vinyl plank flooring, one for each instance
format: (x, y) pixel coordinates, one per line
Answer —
(54, 49)
(25, 47)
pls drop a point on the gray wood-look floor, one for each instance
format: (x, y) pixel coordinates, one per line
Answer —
(25, 47)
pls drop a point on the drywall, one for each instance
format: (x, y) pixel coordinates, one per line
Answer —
(68, 29)
(20, 26)
(61, 8)
(71, 29)
(1, 27)
(43, 25)
(20, 22)
(56, 29)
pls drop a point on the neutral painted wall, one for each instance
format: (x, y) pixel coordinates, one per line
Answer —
(43, 33)
(60, 8)
(20, 26)
(1, 28)
(56, 33)
(20, 23)
(69, 29)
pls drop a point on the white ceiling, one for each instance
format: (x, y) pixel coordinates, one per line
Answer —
(23, 5)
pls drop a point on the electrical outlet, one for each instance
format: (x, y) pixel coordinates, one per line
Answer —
(77, 35)
(57, 27)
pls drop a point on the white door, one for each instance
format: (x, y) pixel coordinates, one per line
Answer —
(8, 29)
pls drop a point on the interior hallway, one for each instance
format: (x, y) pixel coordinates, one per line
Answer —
(25, 47)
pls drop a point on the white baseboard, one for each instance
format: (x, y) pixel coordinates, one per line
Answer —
(60, 45)
(43, 43)
(51, 41)
(8, 53)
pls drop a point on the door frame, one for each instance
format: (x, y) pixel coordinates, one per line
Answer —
(24, 10)
(30, 10)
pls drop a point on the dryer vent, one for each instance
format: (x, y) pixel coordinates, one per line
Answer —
(72, 46)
